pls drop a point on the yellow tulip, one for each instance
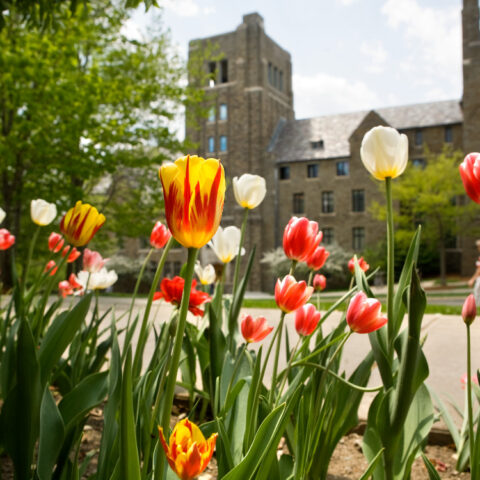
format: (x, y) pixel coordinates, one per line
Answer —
(194, 192)
(81, 223)
(188, 453)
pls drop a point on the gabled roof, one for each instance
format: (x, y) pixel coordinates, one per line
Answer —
(294, 141)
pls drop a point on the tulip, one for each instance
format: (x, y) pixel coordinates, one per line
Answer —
(464, 380)
(188, 453)
(225, 243)
(98, 280)
(42, 212)
(249, 190)
(364, 314)
(206, 275)
(55, 242)
(194, 192)
(300, 238)
(80, 224)
(361, 263)
(318, 258)
(319, 282)
(254, 330)
(73, 254)
(306, 319)
(93, 261)
(6, 239)
(2, 215)
(160, 235)
(51, 268)
(172, 290)
(290, 294)
(384, 152)
(68, 287)
(470, 173)
(469, 310)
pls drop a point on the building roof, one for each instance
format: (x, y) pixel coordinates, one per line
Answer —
(294, 142)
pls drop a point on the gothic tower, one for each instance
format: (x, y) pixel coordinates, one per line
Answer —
(249, 91)
(471, 76)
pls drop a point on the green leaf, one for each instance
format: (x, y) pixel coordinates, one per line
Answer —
(432, 472)
(372, 465)
(89, 393)
(129, 462)
(60, 335)
(52, 430)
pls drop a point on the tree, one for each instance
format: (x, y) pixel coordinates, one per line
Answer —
(434, 197)
(80, 103)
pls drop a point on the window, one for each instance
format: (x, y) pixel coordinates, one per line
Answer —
(358, 200)
(312, 171)
(270, 73)
(328, 236)
(224, 71)
(448, 134)
(418, 138)
(284, 173)
(298, 203)
(419, 163)
(280, 80)
(275, 77)
(317, 145)
(223, 143)
(212, 70)
(211, 114)
(327, 202)
(343, 168)
(223, 113)
(358, 238)
(211, 144)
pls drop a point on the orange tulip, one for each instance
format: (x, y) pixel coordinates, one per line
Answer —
(361, 263)
(300, 238)
(73, 254)
(51, 268)
(306, 319)
(81, 223)
(318, 258)
(188, 453)
(194, 192)
(6, 239)
(364, 314)
(55, 242)
(254, 330)
(159, 236)
(290, 294)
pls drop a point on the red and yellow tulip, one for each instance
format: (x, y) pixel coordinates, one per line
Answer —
(81, 223)
(188, 453)
(194, 192)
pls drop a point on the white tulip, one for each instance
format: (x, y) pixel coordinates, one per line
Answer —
(225, 243)
(42, 212)
(2, 215)
(384, 152)
(98, 281)
(206, 275)
(249, 190)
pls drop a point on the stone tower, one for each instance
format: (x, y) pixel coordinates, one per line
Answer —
(471, 76)
(249, 92)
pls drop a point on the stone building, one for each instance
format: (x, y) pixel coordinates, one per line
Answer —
(312, 166)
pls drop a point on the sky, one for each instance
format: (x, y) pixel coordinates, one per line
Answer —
(347, 55)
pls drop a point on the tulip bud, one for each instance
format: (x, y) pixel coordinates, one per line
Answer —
(290, 294)
(469, 310)
(6, 239)
(2, 215)
(206, 275)
(254, 330)
(384, 152)
(55, 242)
(160, 235)
(51, 268)
(73, 254)
(319, 282)
(318, 258)
(225, 243)
(361, 263)
(42, 212)
(306, 319)
(364, 314)
(249, 190)
(470, 173)
(93, 261)
(300, 238)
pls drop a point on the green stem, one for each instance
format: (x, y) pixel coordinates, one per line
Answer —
(29, 258)
(471, 438)
(137, 361)
(277, 354)
(310, 278)
(135, 292)
(234, 374)
(390, 264)
(239, 255)
(287, 371)
(177, 346)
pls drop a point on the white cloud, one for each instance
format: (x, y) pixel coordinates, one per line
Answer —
(376, 56)
(347, 2)
(187, 8)
(323, 94)
(432, 37)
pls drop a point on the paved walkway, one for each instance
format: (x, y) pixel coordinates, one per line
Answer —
(445, 345)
